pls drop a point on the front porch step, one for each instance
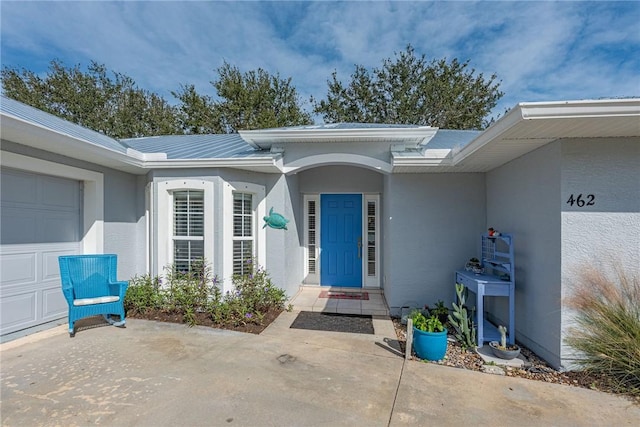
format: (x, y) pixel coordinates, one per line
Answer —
(308, 299)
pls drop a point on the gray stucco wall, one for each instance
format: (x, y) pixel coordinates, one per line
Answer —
(285, 247)
(375, 150)
(431, 226)
(124, 225)
(522, 199)
(605, 234)
(340, 179)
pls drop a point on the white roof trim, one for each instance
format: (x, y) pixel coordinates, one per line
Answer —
(434, 157)
(264, 138)
(586, 108)
(265, 164)
(145, 156)
(24, 132)
(330, 159)
(551, 111)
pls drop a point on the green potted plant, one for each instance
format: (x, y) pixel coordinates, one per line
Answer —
(440, 311)
(429, 336)
(502, 350)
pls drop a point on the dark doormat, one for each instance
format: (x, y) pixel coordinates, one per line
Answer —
(344, 295)
(334, 322)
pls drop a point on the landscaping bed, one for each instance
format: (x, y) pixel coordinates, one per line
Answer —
(534, 368)
(204, 319)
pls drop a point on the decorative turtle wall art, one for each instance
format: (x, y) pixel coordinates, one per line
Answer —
(275, 220)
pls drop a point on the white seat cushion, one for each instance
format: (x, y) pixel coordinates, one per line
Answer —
(98, 300)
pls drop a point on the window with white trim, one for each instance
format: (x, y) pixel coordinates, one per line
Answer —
(371, 238)
(244, 205)
(311, 236)
(243, 232)
(371, 230)
(182, 218)
(188, 228)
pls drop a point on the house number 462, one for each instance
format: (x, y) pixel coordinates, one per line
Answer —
(581, 201)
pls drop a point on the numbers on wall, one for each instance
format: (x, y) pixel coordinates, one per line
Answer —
(582, 200)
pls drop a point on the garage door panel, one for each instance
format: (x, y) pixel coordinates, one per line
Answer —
(54, 306)
(58, 227)
(30, 291)
(60, 193)
(18, 311)
(17, 269)
(50, 267)
(18, 226)
(19, 188)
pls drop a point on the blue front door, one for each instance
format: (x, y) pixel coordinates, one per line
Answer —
(341, 240)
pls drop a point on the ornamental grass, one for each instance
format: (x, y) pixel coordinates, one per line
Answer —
(606, 333)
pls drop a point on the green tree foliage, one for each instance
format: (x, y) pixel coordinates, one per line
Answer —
(197, 114)
(256, 100)
(114, 106)
(410, 90)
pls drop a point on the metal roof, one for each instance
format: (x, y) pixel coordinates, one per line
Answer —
(451, 139)
(223, 146)
(32, 115)
(414, 148)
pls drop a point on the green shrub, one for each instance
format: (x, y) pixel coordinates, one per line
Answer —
(191, 291)
(253, 296)
(143, 293)
(197, 291)
(607, 327)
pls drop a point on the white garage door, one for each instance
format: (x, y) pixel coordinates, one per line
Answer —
(40, 220)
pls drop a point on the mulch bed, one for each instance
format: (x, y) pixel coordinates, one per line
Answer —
(202, 319)
(334, 322)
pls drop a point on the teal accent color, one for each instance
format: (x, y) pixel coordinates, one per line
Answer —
(275, 220)
(430, 345)
(341, 240)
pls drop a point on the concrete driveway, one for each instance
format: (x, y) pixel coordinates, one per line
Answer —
(156, 374)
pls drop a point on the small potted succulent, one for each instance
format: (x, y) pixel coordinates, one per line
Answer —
(501, 349)
(429, 336)
(473, 264)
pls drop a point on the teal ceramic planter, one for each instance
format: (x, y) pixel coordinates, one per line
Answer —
(430, 345)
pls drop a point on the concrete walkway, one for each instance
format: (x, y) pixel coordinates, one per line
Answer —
(155, 374)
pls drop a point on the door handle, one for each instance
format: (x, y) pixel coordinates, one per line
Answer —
(360, 247)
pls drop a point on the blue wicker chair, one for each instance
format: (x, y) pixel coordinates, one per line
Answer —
(90, 287)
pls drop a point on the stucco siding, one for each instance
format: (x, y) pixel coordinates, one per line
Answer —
(317, 153)
(124, 228)
(340, 179)
(284, 250)
(522, 199)
(430, 225)
(606, 232)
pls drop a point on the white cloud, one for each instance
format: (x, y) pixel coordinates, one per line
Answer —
(540, 50)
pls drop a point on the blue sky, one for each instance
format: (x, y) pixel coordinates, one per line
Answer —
(541, 51)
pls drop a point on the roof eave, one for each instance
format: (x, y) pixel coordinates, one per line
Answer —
(20, 131)
(264, 138)
(550, 111)
(265, 164)
(33, 135)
